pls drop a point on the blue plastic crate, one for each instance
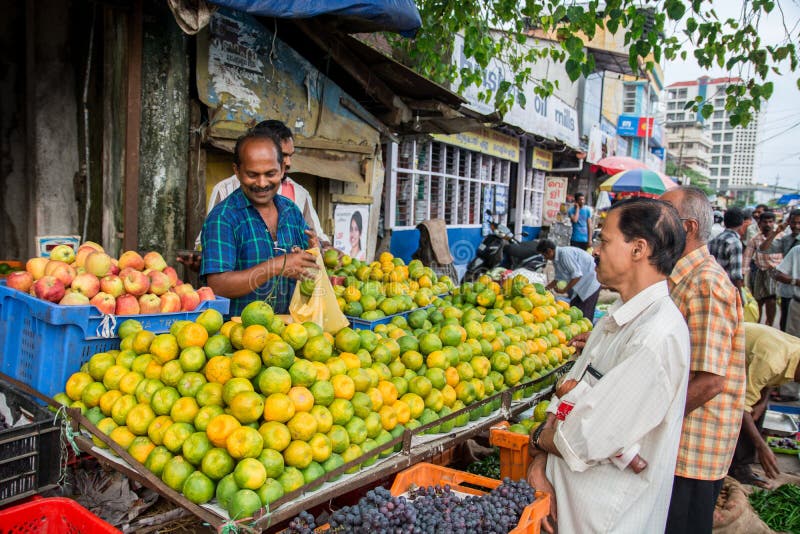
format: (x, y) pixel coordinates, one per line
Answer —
(44, 343)
(362, 324)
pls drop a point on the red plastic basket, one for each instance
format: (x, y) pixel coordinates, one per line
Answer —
(53, 515)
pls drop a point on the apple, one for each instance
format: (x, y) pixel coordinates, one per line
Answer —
(127, 270)
(20, 280)
(63, 253)
(36, 267)
(136, 283)
(131, 258)
(127, 305)
(149, 303)
(104, 302)
(82, 254)
(154, 260)
(74, 298)
(92, 245)
(190, 300)
(159, 282)
(86, 284)
(114, 266)
(98, 263)
(173, 276)
(180, 289)
(170, 302)
(112, 284)
(206, 293)
(63, 271)
(49, 288)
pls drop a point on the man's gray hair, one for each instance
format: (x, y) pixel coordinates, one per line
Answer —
(695, 205)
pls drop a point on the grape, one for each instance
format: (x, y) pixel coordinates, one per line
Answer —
(304, 523)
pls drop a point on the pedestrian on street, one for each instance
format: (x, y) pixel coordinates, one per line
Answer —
(764, 287)
(576, 267)
(581, 216)
(788, 272)
(778, 242)
(727, 246)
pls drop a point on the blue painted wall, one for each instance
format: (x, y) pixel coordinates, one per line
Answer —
(463, 243)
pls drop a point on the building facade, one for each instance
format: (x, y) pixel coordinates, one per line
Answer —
(733, 154)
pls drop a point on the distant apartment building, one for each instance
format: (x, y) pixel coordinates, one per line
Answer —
(728, 158)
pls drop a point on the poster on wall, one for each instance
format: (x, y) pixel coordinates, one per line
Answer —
(350, 229)
(555, 194)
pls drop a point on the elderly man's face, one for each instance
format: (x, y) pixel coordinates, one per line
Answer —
(613, 254)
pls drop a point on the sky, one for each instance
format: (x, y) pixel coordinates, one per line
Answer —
(779, 151)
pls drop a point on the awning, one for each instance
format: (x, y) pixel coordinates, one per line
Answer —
(351, 16)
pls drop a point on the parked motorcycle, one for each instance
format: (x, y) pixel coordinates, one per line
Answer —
(501, 249)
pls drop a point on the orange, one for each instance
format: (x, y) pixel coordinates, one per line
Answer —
(206, 414)
(320, 447)
(220, 427)
(278, 353)
(218, 369)
(449, 395)
(257, 312)
(175, 435)
(340, 440)
(139, 418)
(217, 463)
(99, 364)
(171, 373)
(184, 410)
(350, 360)
(111, 379)
(276, 435)
(323, 392)
(195, 447)
(303, 373)
(198, 488)
(298, 454)
(249, 473)
(122, 436)
(278, 407)
(323, 371)
(105, 425)
(415, 403)
(323, 417)
(274, 380)
(217, 345)
(388, 417)
(92, 394)
(190, 384)
(245, 363)
(192, 359)
(153, 370)
(302, 398)
(108, 399)
(211, 320)
(318, 348)
(376, 397)
(244, 442)
(296, 335)
(402, 412)
(361, 379)
(164, 348)
(343, 387)
(175, 472)
(302, 426)
(191, 335)
(243, 504)
(388, 392)
(76, 384)
(210, 394)
(140, 448)
(233, 387)
(158, 427)
(254, 337)
(144, 391)
(247, 406)
(352, 452)
(235, 336)
(451, 376)
(157, 459)
(141, 341)
(120, 409)
(342, 411)
(336, 366)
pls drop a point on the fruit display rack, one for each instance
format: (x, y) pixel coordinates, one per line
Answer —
(415, 447)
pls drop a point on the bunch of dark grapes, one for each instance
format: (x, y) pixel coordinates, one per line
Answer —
(304, 523)
(435, 510)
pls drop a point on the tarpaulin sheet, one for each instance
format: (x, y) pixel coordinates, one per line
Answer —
(400, 16)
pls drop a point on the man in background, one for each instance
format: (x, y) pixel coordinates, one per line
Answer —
(779, 242)
(764, 288)
(581, 216)
(727, 246)
(576, 268)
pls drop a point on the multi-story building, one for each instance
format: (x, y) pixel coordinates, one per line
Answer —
(689, 145)
(734, 152)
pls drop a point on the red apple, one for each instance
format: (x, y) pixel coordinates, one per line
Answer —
(180, 289)
(127, 305)
(36, 267)
(86, 284)
(190, 300)
(127, 270)
(74, 298)
(170, 302)
(205, 293)
(20, 280)
(112, 284)
(136, 283)
(114, 266)
(49, 288)
(149, 303)
(63, 271)
(104, 302)
(131, 259)
(159, 282)
(63, 253)
(173, 276)
(82, 254)
(98, 263)
(154, 260)
(92, 245)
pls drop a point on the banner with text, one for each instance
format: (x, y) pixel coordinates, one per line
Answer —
(555, 194)
(485, 141)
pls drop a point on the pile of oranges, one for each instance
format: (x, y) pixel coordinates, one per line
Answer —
(246, 411)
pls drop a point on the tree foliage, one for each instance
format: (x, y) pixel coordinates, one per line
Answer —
(654, 30)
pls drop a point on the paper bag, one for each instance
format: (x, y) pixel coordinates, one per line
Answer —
(321, 306)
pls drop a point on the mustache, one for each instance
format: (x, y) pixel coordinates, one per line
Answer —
(256, 189)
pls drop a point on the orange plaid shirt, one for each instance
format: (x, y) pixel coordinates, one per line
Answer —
(713, 310)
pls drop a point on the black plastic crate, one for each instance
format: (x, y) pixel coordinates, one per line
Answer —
(30, 454)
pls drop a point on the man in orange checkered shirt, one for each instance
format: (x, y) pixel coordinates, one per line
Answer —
(715, 399)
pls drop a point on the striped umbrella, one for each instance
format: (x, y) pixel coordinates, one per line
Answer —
(638, 180)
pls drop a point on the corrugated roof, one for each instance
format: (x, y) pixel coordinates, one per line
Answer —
(706, 81)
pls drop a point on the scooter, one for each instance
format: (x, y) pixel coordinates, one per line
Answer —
(499, 243)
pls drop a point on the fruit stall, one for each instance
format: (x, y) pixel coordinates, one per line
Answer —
(258, 418)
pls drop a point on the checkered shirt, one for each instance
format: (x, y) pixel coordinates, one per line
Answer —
(713, 311)
(236, 238)
(727, 249)
(765, 261)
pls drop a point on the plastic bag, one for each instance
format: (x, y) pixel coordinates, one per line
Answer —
(750, 305)
(321, 306)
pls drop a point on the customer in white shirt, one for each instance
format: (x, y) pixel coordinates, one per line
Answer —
(633, 372)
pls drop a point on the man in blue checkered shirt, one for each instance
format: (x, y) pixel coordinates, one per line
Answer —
(254, 240)
(727, 246)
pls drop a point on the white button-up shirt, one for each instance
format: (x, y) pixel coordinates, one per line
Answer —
(642, 350)
(572, 262)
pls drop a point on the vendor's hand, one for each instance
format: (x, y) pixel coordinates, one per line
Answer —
(313, 240)
(192, 261)
(300, 265)
(767, 460)
(579, 341)
(537, 478)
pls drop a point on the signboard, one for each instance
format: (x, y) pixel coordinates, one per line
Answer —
(542, 159)
(46, 243)
(659, 152)
(485, 141)
(633, 126)
(601, 145)
(555, 194)
(350, 222)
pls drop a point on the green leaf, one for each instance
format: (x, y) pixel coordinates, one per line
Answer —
(675, 9)
(707, 110)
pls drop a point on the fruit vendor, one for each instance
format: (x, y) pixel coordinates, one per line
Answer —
(575, 267)
(633, 373)
(254, 240)
(772, 360)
